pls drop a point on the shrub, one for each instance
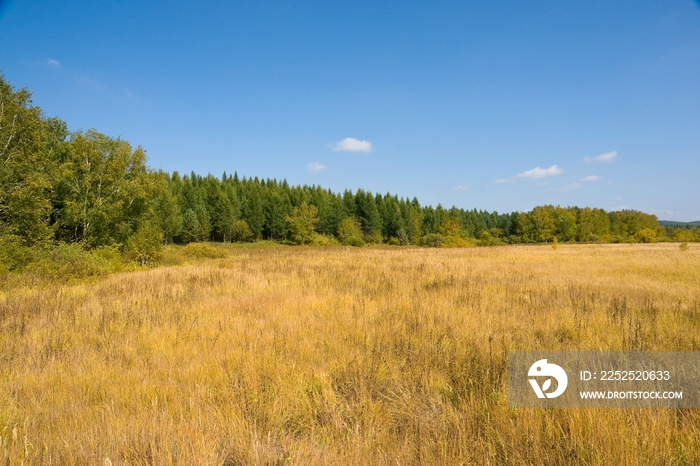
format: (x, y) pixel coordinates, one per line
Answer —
(393, 242)
(302, 223)
(646, 235)
(354, 241)
(459, 242)
(323, 240)
(451, 227)
(203, 250)
(69, 261)
(146, 245)
(682, 235)
(373, 238)
(350, 232)
(111, 256)
(490, 241)
(241, 232)
(432, 240)
(593, 238)
(13, 256)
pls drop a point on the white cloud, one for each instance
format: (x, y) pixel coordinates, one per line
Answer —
(353, 145)
(590, 178)
(505, 180)
(569, 187)
(605, 158)
(665, 212)
(540, 172)
(315, 167)
(618, 198)
(54, 63)
(460, 188)
(90, 83)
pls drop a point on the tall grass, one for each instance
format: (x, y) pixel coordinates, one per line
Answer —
(340, 356)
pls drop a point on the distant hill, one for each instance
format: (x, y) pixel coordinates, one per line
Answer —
(671, 223)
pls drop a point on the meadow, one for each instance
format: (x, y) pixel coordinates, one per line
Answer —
(334, 355)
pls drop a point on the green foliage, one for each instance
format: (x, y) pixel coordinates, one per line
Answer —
(223, 210)
(350, 232)
(67, 261)
(102, 190)
(489, 238)
(353, 241)
(538, 225)
(684, 246)
(646, 235)
(432, 219)
(451, 226)
(433, 240)
(64, 261)
(146, 246)
(323, 240)
(110, 256)
(164, 210)
(302, 223)
(178, 255)
(374, 237)
(204, 221)
(626, 225)
(392, 219)
(13, 254)
(413, 226)
(241, 232)
(452, 234)
(203, 250)
(277, 209)
(29, 145)
(331, 211)
(591, 224)
(682, 234)
(564, 224)
(459, 242)
(191, 229)
(368, 215)
(252, 209)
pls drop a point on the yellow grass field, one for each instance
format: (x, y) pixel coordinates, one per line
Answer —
(335, 356)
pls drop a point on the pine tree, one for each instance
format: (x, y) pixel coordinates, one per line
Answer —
(368, 214)
(252, 208)
(277, 207)
(190, 226)
(164, 211)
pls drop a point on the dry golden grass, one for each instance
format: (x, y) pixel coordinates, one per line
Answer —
(340, 356)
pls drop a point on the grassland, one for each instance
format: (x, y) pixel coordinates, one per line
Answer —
(339, 356)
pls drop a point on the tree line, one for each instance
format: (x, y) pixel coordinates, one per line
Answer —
(60, 186)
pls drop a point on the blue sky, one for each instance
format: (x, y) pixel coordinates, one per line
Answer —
(490, 105)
